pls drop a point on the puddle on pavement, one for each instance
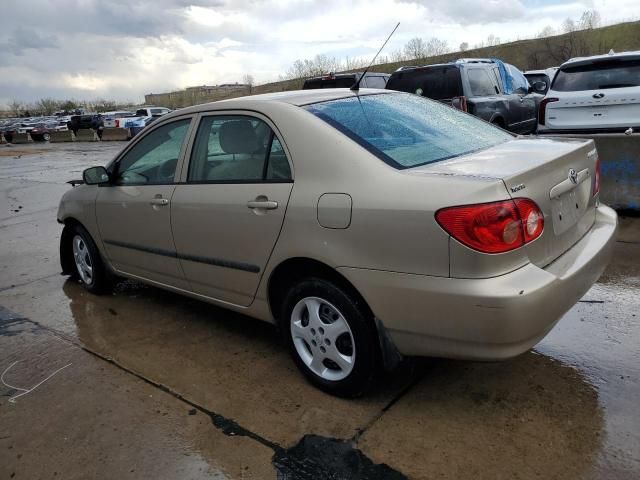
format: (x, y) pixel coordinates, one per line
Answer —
(319, 458)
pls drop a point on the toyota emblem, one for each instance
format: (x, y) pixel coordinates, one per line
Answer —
(598, 95)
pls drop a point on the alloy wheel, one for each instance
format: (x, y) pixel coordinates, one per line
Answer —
(83, 260)
(322, 338)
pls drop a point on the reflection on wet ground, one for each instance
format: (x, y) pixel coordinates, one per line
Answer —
(170, 387)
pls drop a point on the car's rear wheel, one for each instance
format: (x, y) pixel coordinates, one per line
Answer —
(331, 337)
(46, 137)
(90, 269)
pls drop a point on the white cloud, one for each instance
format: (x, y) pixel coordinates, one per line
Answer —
(122, 49)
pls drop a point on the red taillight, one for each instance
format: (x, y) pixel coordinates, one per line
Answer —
(542, 110)
(459, 103)
(596, 178)
(494, 227)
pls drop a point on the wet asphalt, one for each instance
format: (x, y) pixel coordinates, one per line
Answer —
(142, 383)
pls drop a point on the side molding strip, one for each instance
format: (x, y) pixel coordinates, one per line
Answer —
(218, 262)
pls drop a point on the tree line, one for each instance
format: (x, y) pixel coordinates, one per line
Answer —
(420, 49)
(48, 106)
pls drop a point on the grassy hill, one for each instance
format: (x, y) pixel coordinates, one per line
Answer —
(525, 54)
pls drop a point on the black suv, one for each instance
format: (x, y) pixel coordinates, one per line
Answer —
(494, 91)
(346, 80)
(88, 121)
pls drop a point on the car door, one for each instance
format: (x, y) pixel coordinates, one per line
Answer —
(484, 93)
(228, 211)
(133, 212)
(522, 102)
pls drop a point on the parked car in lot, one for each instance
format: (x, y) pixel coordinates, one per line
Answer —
(540, 80)
(599, 94)
(346, 80)
(86, 121)
(494, 91)
(367, 225)
(42, 131)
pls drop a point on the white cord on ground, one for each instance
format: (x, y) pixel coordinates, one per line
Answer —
(24, 390)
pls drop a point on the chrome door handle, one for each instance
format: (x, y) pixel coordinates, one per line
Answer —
(159, 201)
(263, 204)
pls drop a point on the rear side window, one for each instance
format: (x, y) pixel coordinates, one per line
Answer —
(613, 73)
(338, 82)
(237, 148)
(375, 82)
(481, 83)
(407, 131)
(437, 83)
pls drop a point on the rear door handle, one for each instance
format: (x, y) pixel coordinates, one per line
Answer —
(159, 201)
(263, 204)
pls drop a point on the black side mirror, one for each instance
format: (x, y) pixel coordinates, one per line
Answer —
(95, 176)
(540, 86)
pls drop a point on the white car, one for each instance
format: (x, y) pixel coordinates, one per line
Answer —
(599, 94)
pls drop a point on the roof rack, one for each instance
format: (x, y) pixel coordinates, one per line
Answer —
(475, 60)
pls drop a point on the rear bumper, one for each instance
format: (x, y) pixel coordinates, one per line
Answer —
(486, 319)
(544, 130)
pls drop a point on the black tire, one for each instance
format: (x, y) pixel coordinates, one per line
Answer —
(100, 281)
(498, 122)
(358, 318)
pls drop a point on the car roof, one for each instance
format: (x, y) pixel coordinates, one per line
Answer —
(595, 58)
(293, 97)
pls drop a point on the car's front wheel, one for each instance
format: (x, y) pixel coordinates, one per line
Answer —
(331, 337)
(89, 267)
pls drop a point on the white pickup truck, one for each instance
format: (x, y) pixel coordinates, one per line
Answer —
(142, 118)
(141, 113)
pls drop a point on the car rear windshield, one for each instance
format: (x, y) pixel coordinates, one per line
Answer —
(337, 82)
(406, 130)
(439, 83)
(613, 73)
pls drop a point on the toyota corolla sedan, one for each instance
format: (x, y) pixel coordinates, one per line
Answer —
(367, 225)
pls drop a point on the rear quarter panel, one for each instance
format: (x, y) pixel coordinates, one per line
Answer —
(392, 227)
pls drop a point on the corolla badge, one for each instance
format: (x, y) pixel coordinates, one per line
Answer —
(573, 175)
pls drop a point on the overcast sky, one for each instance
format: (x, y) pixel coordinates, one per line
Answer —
(122, 49)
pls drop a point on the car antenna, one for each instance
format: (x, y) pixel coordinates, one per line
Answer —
(356, 86)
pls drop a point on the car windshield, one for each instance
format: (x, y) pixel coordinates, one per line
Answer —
(613, 73)
(405, 130)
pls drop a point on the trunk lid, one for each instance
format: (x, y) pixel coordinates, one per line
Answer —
(544, 171)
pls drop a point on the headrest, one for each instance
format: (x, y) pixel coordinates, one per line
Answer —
(238, 136)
